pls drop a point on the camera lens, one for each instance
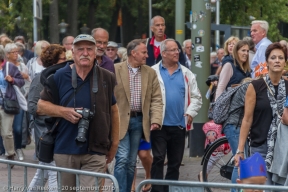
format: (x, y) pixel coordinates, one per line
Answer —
(82, 130)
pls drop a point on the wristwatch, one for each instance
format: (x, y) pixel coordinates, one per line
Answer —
(239, 152)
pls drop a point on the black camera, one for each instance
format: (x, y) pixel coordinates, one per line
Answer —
(83, 125)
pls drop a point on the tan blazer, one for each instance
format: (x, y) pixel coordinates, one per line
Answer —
(151, 98)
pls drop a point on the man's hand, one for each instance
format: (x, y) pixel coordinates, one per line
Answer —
(189, 118)
(111, 153)
(9, 78)
(154, 126)
(71, 115)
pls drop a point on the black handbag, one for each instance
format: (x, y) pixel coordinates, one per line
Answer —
(45, 148)
(10, 106)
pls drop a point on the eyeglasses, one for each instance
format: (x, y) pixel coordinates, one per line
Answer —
(174, 50)
(13, 52)
(188, 47)
(110, 49)
(101, 43)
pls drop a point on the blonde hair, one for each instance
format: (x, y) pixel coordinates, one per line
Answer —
(38, 45)
(69, 55)
(232, 38)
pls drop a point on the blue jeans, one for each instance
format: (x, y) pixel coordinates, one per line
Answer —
(127, 153)
(232, 134)
(17, 129)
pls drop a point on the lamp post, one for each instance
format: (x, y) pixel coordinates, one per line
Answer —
(62, 29)
(85, 29)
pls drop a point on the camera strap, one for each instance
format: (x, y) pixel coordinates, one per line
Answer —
(76, 90)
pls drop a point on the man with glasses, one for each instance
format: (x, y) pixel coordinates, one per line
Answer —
(101, 37)
(187, 45)
(111, 51)
(182, 101)
(153, 44)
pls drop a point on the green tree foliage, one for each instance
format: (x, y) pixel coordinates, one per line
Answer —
(100, 13)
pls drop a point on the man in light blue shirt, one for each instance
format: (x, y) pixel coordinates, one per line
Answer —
(259, 30)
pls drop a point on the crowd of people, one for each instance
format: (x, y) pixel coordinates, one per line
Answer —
(112, 103)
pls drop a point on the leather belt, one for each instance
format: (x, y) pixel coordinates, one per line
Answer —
(135, 114)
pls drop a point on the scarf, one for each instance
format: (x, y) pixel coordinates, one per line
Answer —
(277, 111)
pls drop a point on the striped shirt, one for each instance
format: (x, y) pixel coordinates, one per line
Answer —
(135, 88)
(236, 111)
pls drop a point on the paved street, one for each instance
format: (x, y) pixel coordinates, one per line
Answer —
(188, 172)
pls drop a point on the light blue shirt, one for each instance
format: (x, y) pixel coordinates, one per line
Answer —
(260, 53)
(175, 96)
(3, 86)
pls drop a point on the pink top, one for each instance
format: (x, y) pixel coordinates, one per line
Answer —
(224, 78)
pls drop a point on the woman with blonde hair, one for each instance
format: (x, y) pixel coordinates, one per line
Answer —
(35, 65)
(228, 50)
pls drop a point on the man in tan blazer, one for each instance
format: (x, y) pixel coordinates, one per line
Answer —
(140, 104)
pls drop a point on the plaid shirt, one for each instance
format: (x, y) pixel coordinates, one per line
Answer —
(135, 89)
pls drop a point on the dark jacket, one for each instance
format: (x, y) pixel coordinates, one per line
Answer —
(28, 54)
(101, 125)
(151, 60)
(238, 73)
(18, 80)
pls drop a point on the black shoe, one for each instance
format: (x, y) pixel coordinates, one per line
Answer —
(11, 157)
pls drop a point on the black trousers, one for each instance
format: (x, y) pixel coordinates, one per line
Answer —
(170, 140)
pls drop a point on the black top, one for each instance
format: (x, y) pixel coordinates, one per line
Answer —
(262, 117)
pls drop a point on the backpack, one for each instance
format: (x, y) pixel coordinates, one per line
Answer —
(213, 132)
(222, 105)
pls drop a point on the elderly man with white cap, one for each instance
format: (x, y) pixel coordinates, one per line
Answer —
(92, 101)
(111, 51)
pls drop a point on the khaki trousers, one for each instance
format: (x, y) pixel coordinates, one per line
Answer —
(87, 162)
(6, 122)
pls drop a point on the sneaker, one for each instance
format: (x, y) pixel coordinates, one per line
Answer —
(20, 154)
(11, 157)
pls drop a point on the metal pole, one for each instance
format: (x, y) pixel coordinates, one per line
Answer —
(150, 17)
(35, 37)
(200, 66)
(217, 33)
(180, 20)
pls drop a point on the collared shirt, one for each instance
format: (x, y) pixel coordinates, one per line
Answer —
(156, 49)
(135, 88)
(188, 62)
(175, 96)
(260, 53)
(107, 63)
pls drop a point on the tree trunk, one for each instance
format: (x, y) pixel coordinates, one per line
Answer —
(128, 25)
(73, 13)
(53, 21)
(91, 14)
(114, 21)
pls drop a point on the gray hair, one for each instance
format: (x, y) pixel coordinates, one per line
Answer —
(98, 29)
(263, 24)
(133, 44)
(121, 50)
(2, 53)
(20, 46)
(38, 45)
(157, 16)
(8, 48)
(213, 54)
(186, 41)
(219, 50)
(250, 42)
(164, 43)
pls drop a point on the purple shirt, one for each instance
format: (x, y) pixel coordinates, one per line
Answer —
(107, 63)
